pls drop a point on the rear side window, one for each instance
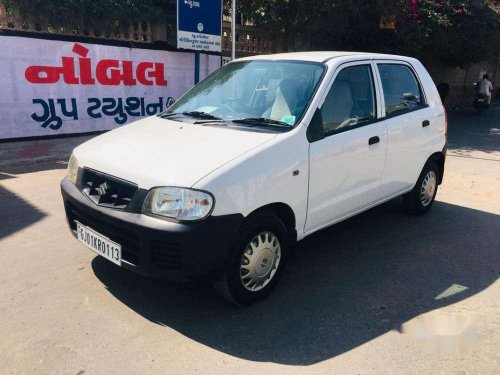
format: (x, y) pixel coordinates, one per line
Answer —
(402, 92)
(350, 101)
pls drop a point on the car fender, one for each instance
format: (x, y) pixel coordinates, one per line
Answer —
(275, 172)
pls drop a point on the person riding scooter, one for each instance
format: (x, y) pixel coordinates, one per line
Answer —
(483, 93)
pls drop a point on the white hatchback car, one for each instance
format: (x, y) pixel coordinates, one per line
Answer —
(262, 153)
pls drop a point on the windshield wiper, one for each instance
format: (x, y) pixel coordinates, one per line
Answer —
(256, 121)
(167, 115)
(206, 117)
(201, 115)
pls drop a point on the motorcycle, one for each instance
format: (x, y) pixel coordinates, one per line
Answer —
(480, 102)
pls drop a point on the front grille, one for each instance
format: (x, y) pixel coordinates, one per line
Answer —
(165, 255)
(128, 240)
(106, 190)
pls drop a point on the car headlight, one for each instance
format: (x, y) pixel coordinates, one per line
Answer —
(178, 203)
(72, 172)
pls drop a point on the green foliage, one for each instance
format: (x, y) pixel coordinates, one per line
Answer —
(316, 24)
(458, 32)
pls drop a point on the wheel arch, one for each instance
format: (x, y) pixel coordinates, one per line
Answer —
(284, 212)
(438, 158)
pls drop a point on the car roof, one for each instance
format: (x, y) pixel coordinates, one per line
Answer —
(321, 56)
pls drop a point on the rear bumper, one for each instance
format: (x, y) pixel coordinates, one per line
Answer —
(153, 247)
(441, 175)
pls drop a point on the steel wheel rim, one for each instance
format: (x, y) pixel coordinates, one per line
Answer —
(260, 261)
(428, 188)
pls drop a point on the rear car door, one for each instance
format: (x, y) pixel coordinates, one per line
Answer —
(347, 162)
(409, 124)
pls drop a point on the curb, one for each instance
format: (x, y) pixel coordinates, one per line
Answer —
(31, 161)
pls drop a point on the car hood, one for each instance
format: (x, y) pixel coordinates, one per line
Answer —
(160, 152)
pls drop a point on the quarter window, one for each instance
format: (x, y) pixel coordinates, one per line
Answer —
(401, 89)
(350, 101)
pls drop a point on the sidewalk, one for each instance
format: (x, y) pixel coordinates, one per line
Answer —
(39, 151)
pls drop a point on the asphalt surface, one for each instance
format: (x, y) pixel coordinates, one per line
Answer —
(380, 293)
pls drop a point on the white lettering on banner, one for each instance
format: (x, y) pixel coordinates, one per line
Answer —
(196, 41)
(50, 87)
(192, 3)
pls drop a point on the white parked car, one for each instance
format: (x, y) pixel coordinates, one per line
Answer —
(262, 153)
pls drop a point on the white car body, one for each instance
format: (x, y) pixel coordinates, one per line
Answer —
(338, 176)
(225, 185)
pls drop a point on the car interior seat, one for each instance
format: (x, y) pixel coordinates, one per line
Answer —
(286, 100)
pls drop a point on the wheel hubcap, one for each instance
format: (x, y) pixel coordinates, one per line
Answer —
(428, 188)
(260, 261)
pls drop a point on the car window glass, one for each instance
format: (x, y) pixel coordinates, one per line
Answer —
(351, 99)
(275, 90)
(401, 89)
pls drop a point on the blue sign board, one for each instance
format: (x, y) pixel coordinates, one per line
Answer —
(199, 25)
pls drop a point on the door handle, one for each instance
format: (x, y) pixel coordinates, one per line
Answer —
(425, 123)
(373, 140)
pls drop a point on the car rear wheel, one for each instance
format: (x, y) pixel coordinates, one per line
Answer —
(256, 262)
(421, 198)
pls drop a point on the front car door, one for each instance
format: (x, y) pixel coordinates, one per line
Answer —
(347, 161)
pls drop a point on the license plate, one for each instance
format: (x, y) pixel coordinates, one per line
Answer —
(99, 243)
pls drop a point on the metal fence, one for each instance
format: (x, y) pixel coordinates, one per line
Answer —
(249, 39)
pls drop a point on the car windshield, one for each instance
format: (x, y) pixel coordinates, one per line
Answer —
(253, 93)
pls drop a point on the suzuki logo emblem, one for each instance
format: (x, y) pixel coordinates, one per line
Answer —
(102, 188)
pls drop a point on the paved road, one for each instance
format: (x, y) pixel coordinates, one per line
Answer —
(380, 293)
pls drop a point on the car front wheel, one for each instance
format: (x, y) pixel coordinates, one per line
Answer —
(256, 262)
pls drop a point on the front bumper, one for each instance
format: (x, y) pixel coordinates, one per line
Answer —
(153, 247)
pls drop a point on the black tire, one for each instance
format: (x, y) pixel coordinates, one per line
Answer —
(413, 201)
(229, 284)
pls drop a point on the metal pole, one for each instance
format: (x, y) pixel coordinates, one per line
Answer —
(233, 29)
(196, 67)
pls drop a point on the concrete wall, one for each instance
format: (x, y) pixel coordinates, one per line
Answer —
(462, 81)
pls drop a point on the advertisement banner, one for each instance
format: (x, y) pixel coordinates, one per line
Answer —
(50, 87)
(199, 25)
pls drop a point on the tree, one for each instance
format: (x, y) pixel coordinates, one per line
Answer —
(315, 24)
(457, 32)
